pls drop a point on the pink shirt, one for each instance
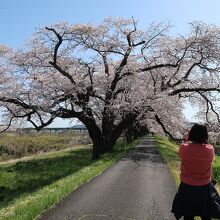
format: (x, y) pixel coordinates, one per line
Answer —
(196, 163)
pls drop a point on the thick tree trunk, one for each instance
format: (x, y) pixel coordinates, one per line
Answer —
(95, 135)
(104, 141)
(107, 129)
(109, 145)
(98, 146)
(102, 144)
(128, 135)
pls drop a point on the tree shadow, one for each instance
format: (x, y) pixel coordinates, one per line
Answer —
(28, 176)
(144, 152)
(147, 154)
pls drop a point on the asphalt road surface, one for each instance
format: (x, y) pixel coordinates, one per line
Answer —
(138, 187)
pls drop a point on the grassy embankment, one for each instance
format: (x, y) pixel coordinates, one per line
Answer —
(169, 150)
(13, 145)
(29, 187)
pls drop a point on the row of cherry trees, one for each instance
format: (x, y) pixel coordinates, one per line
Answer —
(112, 76)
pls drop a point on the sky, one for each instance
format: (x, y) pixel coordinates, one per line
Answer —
(20, 18)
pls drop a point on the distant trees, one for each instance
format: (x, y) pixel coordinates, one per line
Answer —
(111, 76)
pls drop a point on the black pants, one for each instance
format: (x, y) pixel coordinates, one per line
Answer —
(192, 218)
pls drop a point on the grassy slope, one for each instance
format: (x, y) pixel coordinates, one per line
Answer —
(19, 145)
(29, 187)
(169, 150)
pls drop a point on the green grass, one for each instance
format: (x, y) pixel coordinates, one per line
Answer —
(216, 169)
(28, 188)
(168, 150)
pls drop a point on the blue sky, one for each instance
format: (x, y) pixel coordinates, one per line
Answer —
(20, 18)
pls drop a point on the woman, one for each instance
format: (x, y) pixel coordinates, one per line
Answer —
(195, 193)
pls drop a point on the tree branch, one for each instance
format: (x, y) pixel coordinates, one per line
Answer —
(211, 105)
(188, 90)
(159, 121)
(54, 62)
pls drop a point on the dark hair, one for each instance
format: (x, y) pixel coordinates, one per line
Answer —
(198, 133)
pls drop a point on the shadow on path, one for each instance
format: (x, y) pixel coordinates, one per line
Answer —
(145, 152)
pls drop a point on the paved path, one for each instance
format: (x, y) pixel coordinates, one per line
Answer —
(138, 187)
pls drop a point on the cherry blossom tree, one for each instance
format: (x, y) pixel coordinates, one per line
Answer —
(111, 76)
